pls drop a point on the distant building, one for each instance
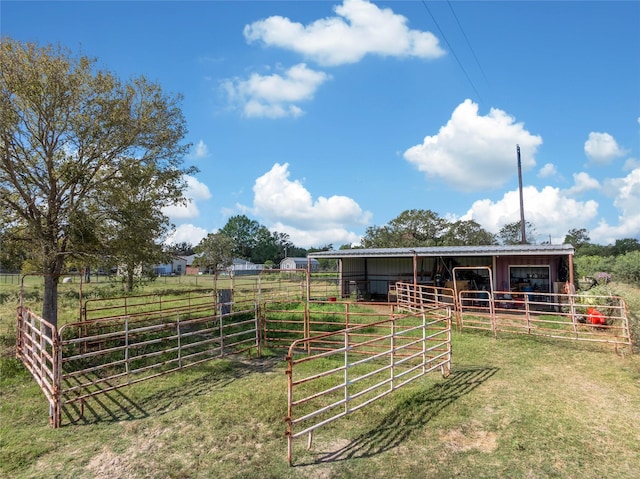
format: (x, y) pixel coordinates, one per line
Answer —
(300, 263)
(514, 268)
(177, 266)
(242, 266)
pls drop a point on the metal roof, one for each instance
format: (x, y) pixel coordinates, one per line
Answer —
(299, 259)
(485, 250)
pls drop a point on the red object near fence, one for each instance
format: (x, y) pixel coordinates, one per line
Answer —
(595, 317)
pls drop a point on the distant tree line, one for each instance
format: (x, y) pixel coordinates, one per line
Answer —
(619, 261)
(244, 238)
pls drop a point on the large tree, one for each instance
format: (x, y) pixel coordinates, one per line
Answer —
(577, 237)
(135, 225)
(467, 233)
(265, 247)
(409, 229)
(70, 133)
(215, 252)
(511, 233)
(419, 228)
(243, 231)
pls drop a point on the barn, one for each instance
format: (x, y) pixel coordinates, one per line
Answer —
(371, 272)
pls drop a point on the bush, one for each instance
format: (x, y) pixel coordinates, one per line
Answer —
(600, 297)
(627, 268)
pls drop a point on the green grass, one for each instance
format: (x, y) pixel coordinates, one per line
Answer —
(516, 407)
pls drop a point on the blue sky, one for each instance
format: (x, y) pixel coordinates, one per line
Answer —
(321, 118)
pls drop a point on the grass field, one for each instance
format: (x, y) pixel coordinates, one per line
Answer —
(516, 407)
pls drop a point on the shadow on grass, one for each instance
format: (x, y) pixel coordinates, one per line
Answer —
(114, 404)
(410, 416)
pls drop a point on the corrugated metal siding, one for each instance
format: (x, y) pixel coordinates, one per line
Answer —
(503, 263)
(375, 274)
(385, 271)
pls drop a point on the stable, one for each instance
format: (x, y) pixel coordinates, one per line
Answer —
(371, 273)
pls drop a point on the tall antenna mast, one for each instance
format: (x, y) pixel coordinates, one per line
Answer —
(523, 234)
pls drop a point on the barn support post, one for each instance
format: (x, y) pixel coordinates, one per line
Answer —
(415, 267)
(571, 278)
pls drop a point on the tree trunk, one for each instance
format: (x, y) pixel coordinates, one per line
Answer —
(50, 304)
(128, 285)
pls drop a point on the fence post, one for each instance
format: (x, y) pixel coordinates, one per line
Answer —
(257, 321)
(56, 355)
(289, 432)
(126, 346)
(179, 342)
(393, 352)
(346, 371)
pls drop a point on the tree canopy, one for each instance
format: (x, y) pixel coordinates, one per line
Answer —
(511, 233)
(86, 160)
(215, 252)
(425, 228)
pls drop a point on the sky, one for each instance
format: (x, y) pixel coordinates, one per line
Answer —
(320, 119)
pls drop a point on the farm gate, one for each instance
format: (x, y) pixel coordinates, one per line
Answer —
(334, 374)
(573, 317)
(87, 358)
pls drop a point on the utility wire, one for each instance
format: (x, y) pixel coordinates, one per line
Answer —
(452, 50)
(468, 42)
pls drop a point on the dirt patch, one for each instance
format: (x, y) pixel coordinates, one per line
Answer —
(107, 465)
(469, 438)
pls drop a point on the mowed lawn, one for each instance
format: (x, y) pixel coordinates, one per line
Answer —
(512, 407)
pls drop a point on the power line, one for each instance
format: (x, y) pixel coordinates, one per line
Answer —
(468, 42)
(452, 51)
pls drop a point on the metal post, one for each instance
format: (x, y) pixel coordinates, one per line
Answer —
(522, 223)
(289, 432)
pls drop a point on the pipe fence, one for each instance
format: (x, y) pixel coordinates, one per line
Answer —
(88, 358)
(353, 367)
(39, 354)
(586, 318)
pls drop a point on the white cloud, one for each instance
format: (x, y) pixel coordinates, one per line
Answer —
(473, 152)
(286, 206)
(627, 199)
(195, 191)
(360, 28)
(631, 164)
(549, 170)
(201, 150)
(583, 182)
(602, 148)
(275, 96)
(186, 233)
(549, 210)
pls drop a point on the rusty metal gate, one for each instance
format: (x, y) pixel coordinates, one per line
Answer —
(586, 318)
(351, 368)
(88, 358)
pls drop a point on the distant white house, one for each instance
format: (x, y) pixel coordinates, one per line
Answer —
(177, 266)
(242, 266)
(300, 263)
